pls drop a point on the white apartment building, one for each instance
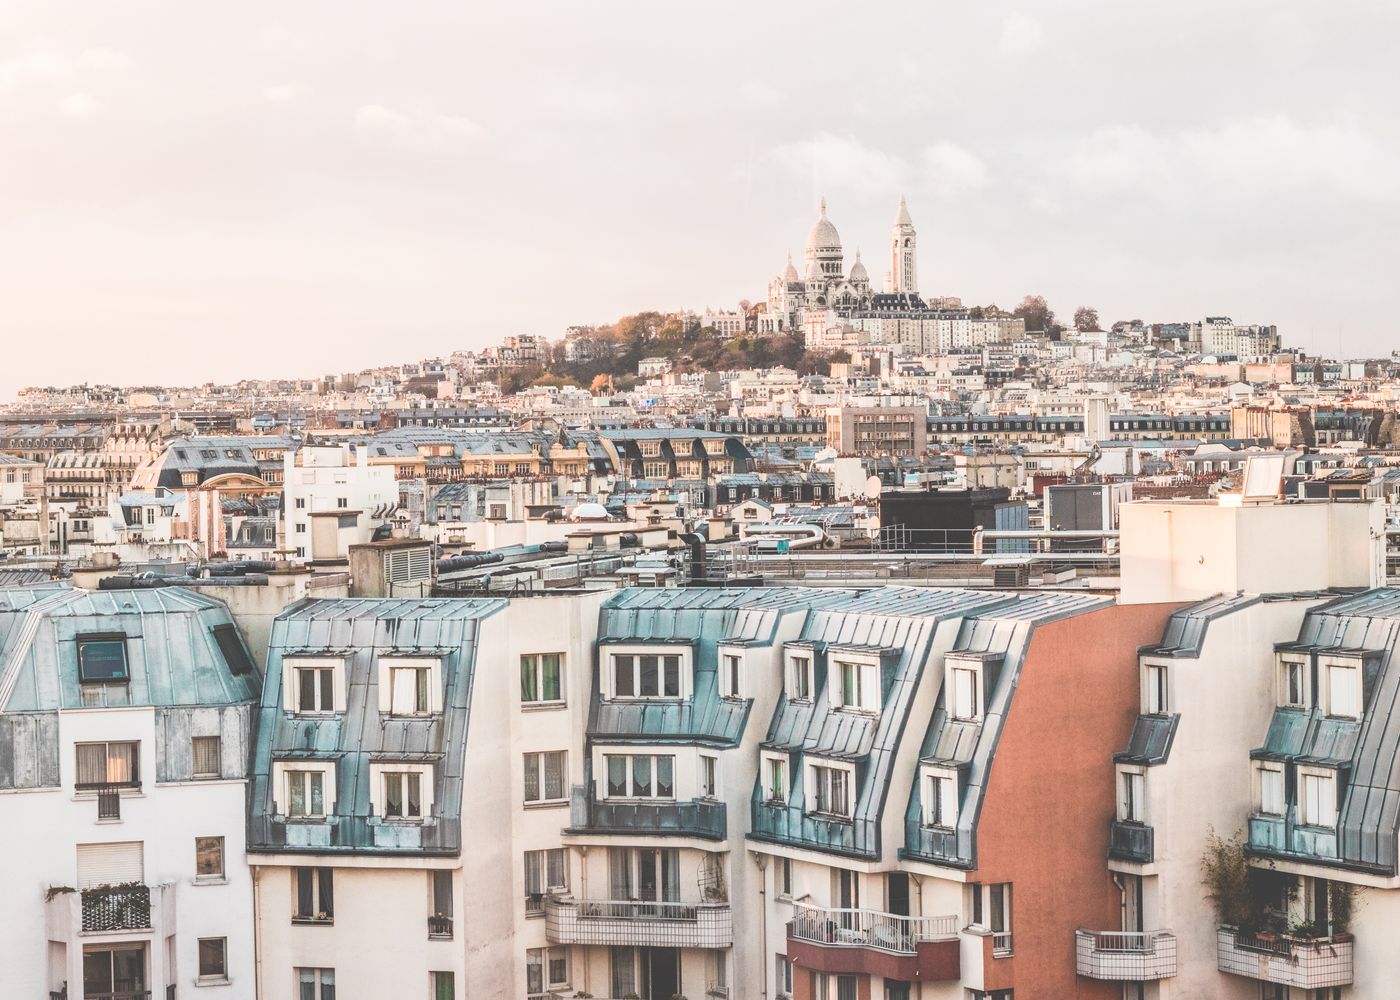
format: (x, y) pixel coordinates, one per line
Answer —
(333, 498)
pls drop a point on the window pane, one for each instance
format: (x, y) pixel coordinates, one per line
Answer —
(554, 775)
(641, 775)
(327, 690)
(532, 777)
(422, 702)
(121, 763)
(92, 764)
(617, 774)
(550, 687)
(649, 685)
(306, 889)
(211, 957)
(296, 793)
(209, 856)
(415, 801)
(318, 803)
(206, 754)
(528, 688)
(325, 886)
(556, 877)
(665, 783)
(673, 677)
(534, 971)
(442, 893)
(623, 685)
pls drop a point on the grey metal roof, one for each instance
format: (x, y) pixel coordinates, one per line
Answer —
(1151, 741)
(1186, 628)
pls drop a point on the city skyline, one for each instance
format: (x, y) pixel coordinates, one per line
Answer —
(295, 187)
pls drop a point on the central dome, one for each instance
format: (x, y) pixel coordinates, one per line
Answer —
(823, 235)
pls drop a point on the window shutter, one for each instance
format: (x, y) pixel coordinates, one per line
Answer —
(110, 864)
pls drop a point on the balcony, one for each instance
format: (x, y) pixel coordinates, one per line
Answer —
(127, 911)
(694, 818)
(792, 824)
(1130, 842)
(1302, 963)
(117, 908)
(1285, 835)
(634, 923)
(1125, 956)
(869, 942)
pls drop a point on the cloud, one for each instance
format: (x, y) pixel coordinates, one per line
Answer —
(37, 64)
(949, 170)
(415, 129)
(79, 106)
(1119, 158)
(281, 93)
(1021, 35)
(840, 162)
(377, 118)
(103, 60)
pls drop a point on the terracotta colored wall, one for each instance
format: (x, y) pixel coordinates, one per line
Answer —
(1051, 796)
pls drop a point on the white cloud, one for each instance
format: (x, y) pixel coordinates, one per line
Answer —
(950, 170)
(79, 106)
(103, 60)
(459, 126)
(1119, 158)
(1021, 35)
(421, 130)
(37, 64)
(837, 162)
(281, 93)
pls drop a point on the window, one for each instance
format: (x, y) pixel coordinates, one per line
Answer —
(783, 876)
(709, 776)
(236, 654)
(306, 794)
(782, 975)
(315, 896)
(941, 799)
(966, 700)
(646, 675)
(545, 872)
(102, 659)
(408, 690)
(830, 792)
(541, 679)
(301, 503)
(546, 969)
(315, 984)
(832, 987)
(213, 962)
(544, 776)
(799, 677)
(313, 689)
(1156, 682)
(444, 986)
(1271, 788)
(205, 753)
(729, 675)
(342, 503)
(1317, 798)
(1343, 691)
(102, 764)
(1293, 682)
(440, 903)
(208, 859)
(640, 776)
(1131, 805)
(775, 779)
(403, 795)
(855, 685)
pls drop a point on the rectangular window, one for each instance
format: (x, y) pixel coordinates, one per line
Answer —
(1343, 692)
(102, 659)
(783, 976)
(709, 776)
(784, 877)
(1157, 703)
(315, 894)
(800, 678)
(213, 963)
(444, 986)
(403, 795)
(546, 969)
(1131, 807)
(729, 676)
(541, 679)
(646, 675)
(1293, 683)
(100, 764)
(622, 967)
(205, 751)
(645, 776)
(408, 690)
(776, 780)
(1271, 788)
(208, 858)
(315, 984)
(544, 776)
(315, 689)
(440, 903)
(1317, 799)
(831, 793)
(966, 702)
(236, 654)
(306, 794)
(941, 800)
(545, 872)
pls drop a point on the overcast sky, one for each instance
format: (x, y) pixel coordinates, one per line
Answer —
(213, 191)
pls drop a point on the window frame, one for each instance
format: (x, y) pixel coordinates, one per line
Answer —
(799, 674)
(219, 848)
(282, 771)
(383, 771)
(218, 771)
(940, 798)
(536, 668)
(430, 689)
(730, 670)
(1329, 667)
(133, 783)
(707, 775)
(1132, 794)
(684, 667)
(768, 762)
(319, 878)
(219, 976)
(1305, 776)
(1156, 688)
(604, 776)
(104, 638)
(291, 685)
(1278, 769)
(1287, 661)
(864, 672)
(540, 782)
(953, 703)
(821, 788)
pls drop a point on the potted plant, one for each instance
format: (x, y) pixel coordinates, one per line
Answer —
(1225, 874)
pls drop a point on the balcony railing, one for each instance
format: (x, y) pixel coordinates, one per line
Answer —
(439, 927)
(638, 923)
(1302, 963)
(868, 928)
(116, 908)
(694, 818)
(109, 802)
(1130, 842)
(791, 824)
(121, 995)
(1125, 956)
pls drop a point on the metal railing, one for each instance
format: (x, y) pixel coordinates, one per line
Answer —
(439, 927)
(116, 908)
(857, 928)
(1273, 944)
(120, 995)
(695, 817)
(1125, 956)
(109, 802)
(1001, 943)
(623, 909)
(1116, 941)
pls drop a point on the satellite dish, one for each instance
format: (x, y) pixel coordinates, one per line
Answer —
(872, 488)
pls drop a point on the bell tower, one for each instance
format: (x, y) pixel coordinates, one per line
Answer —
(904, 259)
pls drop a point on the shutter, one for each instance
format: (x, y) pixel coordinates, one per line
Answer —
(110, 864)
(418, 564)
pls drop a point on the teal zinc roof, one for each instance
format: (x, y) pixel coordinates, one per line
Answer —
(1000, 637)
(899, 623)
(1365, 625)
(701, 618)
(360, 632)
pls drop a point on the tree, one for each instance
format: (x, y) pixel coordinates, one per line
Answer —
(1086, 319)
(1039, 317)
(600, 384)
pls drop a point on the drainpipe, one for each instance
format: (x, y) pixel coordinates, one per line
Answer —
(257, 933)
(762, 861)
(919, 885)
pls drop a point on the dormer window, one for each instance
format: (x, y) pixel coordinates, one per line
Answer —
(1156, 691)
(799, 675)
(1271, 795)
(410, 686)
(965, 692)
(314, 686)
(731, 662)
(640, 673)
(1132, 795)
(1343, 680)
(854, 684)
(1294, 681)
(829, 789)
(940, 797)
(1317, 797)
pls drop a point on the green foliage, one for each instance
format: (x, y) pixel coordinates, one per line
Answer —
(1342, 902)
(1225, 874)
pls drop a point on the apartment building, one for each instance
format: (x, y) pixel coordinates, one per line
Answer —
(333, 498)
(124, 731)
(877, 430)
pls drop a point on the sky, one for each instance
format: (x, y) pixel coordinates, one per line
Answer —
(197, 192)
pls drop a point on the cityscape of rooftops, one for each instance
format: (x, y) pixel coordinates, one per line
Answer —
(761, 503)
